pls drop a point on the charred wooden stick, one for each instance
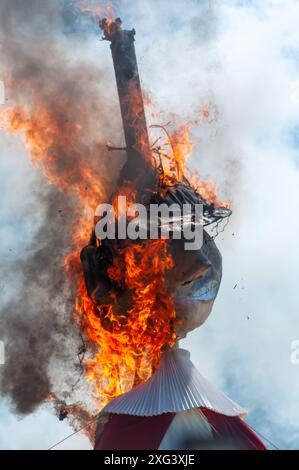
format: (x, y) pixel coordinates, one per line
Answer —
(130, 95)
(112, 148)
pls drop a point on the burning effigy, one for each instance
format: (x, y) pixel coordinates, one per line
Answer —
(138, 292)
(142, 295)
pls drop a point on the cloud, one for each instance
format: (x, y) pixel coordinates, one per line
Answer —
(241, 58)
(47, 71)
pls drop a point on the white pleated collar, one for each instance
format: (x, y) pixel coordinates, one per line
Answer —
(174, 387)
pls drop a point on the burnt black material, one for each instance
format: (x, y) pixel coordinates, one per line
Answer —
(130, 97)
(189, 265)
(94, 263)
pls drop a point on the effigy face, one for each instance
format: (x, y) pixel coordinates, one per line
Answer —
(192, 282)
(196, 277)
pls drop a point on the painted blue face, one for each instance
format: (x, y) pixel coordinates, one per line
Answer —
(194, 298)
(203, 289)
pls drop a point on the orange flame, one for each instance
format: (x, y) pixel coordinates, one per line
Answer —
(130, 333)
(174, 162)
(127, 335)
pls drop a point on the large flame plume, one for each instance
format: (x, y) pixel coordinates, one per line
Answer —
(59, 126)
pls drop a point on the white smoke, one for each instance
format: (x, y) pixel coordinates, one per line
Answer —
(240, 57)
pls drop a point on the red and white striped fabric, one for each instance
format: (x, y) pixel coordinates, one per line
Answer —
(177, 409)
(181, 431)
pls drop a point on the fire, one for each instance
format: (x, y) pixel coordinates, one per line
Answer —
(172, 155)
(174, 160)
(130, 333)
(127, 339)
(126, 336)
(207, 190)
(128, 191)
(48, 132)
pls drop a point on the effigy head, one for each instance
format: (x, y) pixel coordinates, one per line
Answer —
(192, 281)
(195, 278)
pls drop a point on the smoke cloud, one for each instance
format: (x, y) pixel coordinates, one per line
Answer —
(52, 60)
(241, 59)
(48, 68)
